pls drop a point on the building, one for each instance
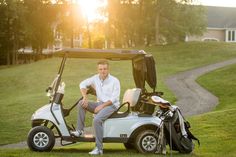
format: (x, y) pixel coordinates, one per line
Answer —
(221, 25)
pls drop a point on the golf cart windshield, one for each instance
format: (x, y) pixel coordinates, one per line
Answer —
(143, 63)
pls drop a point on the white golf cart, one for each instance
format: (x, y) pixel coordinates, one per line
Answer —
(137, 127)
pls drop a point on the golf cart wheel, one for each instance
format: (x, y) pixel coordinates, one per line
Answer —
(146, 141)
(41, 138)
(129, 146)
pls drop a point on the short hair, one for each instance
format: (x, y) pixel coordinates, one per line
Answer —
(103, 62)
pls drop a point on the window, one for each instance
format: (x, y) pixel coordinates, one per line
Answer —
(231, 35)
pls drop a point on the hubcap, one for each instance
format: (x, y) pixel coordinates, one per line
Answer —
(149, 143)
(41, 139)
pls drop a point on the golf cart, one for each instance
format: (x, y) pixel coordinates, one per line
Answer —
(136, 126)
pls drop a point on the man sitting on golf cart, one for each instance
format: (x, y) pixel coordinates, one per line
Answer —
(108, 92)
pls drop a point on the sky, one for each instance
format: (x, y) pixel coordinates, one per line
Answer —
(225, 3)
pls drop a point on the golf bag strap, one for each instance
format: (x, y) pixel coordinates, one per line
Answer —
(181, 123)
(190, 135)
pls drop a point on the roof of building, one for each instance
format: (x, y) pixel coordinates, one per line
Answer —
(221, 17)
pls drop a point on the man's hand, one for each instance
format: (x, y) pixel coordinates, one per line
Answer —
(85, 99)
(84, 102)
(98, 108)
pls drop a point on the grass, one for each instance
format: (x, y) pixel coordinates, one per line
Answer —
(115, 150)
(217, 129)
(176, 58)
(22, 92)
(223, 86)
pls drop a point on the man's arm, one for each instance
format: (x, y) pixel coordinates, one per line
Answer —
(100, 107)
(83, 89)
(85, 98)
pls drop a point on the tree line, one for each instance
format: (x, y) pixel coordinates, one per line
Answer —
(126, 23)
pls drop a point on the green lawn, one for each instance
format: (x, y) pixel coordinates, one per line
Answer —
(23, 91)
(217, 129)
(114, 150)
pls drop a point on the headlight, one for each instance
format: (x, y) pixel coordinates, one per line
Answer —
(32, 117)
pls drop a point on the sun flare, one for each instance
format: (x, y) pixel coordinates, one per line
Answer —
(90, 8)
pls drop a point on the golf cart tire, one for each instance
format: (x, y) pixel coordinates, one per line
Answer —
(129, 146)
(146, 141)
(41, 138)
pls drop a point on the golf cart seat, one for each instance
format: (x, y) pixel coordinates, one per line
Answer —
(130, 99)
(131, 96)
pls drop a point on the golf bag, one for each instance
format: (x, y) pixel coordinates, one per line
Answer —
(177, 133)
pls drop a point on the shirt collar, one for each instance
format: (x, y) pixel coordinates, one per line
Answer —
(108, 76)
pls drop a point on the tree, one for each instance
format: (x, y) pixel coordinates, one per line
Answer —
(130, 23)
(147, 24)
(135, 22)
(123, 22)
(11, 28)
(40, 17)
(174, 20)
(70, 21)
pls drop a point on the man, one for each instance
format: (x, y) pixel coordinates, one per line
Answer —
(108, 92)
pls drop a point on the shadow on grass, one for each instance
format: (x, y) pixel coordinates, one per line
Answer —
(116, 153)
(85, 150)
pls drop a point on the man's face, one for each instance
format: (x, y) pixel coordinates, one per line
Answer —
(103, 70)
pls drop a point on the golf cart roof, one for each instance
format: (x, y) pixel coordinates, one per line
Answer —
(143, 64)
(111, 54)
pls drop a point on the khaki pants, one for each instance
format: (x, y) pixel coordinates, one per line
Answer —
(98, 120)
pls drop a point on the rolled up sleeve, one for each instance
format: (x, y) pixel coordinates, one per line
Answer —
(88, 82)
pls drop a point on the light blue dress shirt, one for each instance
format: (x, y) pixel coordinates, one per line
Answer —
(108, 89)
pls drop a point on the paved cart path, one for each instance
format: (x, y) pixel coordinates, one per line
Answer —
(191, 97)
